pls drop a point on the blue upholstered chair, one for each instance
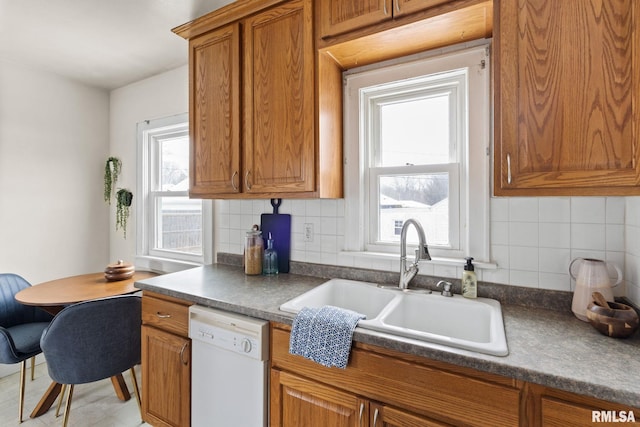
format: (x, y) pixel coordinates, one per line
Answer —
(20, 329)
(93, 340)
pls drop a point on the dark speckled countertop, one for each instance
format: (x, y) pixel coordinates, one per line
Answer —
(548, 347)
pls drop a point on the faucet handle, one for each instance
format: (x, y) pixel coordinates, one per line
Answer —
(446, 288)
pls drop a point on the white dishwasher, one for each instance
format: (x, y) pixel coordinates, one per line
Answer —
(229, 372)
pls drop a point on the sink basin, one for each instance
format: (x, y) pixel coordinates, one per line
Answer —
(361, 297)
(468, 324)
(459, 322)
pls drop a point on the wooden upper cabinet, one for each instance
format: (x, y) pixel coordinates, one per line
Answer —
(342, 16)
(260, 127)
(279, 100)
(567, 87)
(214, 121)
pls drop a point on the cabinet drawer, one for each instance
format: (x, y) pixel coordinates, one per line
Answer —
(169, 315)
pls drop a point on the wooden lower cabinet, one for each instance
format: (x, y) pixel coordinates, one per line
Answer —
(166, 362)
(383, 387)
(303, 402)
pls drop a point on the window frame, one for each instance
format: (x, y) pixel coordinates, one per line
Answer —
(149, 132)
(474, 149)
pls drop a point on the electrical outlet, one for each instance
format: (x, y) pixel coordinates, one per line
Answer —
(308, 232)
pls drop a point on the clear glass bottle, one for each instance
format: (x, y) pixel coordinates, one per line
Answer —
(253, 252)
(270, 263)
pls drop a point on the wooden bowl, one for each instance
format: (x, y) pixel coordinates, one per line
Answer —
(619, 321)
(119, 271)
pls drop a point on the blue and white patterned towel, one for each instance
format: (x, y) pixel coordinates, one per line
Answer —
(324, 334)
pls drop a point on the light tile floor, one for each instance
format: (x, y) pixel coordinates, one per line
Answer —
(93, 404)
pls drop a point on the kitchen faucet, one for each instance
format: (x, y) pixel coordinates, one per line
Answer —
(406, 274)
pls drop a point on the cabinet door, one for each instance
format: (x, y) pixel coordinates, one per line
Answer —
(567, 92)
(387, 416)
(214, 88)
(341, 16)
(405, 7)
(166, 378)
(299, 402)
(279, 149)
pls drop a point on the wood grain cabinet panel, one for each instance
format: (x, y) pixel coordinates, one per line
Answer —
(405, 390)
(166, 361)
(214, 61)
(306, 403)
(279, 100)
(567, 86)
(343, 16)
(260, 127)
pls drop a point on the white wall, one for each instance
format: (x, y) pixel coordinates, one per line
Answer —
(53, 143)
(164, 95)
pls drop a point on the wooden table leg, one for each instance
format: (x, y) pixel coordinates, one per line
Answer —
(120, 387)
(47, 400)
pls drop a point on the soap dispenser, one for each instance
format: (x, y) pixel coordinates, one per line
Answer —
(270, 264)
(469, 280)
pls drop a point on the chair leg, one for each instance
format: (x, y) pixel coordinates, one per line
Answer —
(67, 407)
(23, 374)
(62, 391)
(33, 368)
(136, 389)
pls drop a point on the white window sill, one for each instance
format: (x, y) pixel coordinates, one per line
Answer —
(451, 262)
(163, 265)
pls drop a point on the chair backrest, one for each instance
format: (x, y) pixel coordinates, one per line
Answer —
(93, 340)
(13, 313)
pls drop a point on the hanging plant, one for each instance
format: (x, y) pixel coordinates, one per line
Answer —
(111, 172)
(124, 198)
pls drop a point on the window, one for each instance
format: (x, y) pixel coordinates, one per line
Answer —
(173, 226)
(423, 152)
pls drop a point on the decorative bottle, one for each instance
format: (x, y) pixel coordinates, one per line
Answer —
(270, 262)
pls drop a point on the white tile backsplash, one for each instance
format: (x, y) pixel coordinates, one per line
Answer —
(588, 236)
(533, 240)
(555, 209)
(523, 209)
(523, 234)
(588, 210)
(555, 235)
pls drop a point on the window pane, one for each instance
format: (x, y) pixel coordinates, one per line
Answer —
(415, 131)
(422, 197)
(179, 225)
(174, 164)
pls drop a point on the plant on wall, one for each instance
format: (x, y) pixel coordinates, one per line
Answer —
(111, 172)
(124, 198)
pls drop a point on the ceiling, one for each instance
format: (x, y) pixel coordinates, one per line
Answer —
(102, 43)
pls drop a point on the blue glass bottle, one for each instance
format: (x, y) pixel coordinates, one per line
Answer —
(270, 260)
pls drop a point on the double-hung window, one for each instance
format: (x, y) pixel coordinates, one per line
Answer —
(418, 147)
(174, 226)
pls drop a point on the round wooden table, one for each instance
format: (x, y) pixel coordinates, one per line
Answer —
(53, 296)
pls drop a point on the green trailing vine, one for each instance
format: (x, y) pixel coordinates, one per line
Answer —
(111, 172)
(124, 198)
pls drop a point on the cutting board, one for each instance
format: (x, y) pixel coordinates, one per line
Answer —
(279, 225)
